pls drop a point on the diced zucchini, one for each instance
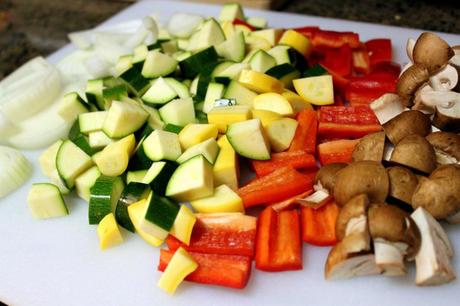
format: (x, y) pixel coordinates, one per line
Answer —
(231, 11)
(159, 216)
(243, 95)
(99, 140)
(132, 193)
(248, 139)
(158, 176)
(135, 176)
(178, 112)
(92, 122)
(159, 93)
(208, 148)
(255, 43)
(215, 91)
(158, 64)
(297, 102)
(280, 133)
(114, 159)
(154, 119)
(169, 47)
(85, 181)
(210, 34)
(71, 106)
(108, 232)
(273, 102)
(136, 83)
(140, 53)
(257, 22)
(224, 115)
(193, 65)
(117, 92)
(104, 197)
(181, 89)
(224, 200)
(195, 133)
(261, 61)
(272, 36)
(94, 90)
(45, 201)
(316, 70)
(173, 128)
(82, 141)
(71, 161)
(183, 225)
(233, 48)
(124, 118)
(139, 160)
(317, 90)
(47, 159)
(286, 73)
(124, 63)
(162, 145)
(226, 169)
(136, 213)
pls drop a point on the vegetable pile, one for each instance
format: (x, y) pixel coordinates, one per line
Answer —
(157, 141)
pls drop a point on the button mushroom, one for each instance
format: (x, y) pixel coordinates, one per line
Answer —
(387, 107)
(446, 146)
(370, 147)
(448, 118)
(415, 152)
(432, 52)
(367, 177)
(407, 123)
(433, 259)
(445, 80)
(409, 81)
(352, 218)
(395, 237)
(402, 183)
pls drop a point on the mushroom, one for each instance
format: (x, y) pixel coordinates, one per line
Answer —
(455, 62)
(370, 147)
(367, 177)
(439, 194)
(325, 178)
(432, 52)
(433, 259)
(395, 237)
(448, 119)
(409, 81)
(407, 123)
(424, 106)
(445, 80)
(349, 258)
(387, 107)
(402, 183)
(446, 146)
(415, 152)
(410, 48)
(352, 218)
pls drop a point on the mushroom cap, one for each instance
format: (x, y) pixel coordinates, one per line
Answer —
(445, 143)
(432, 52)
(395, 225)
(327, 174)
(415, 152)
(402, 183)
(354, 208)
(368, 177)
(409, 81)
(448, 119)
(407, 123)
(370, 147)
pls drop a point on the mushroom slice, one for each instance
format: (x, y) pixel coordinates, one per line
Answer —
(409, 81)
(346, 259)
(387, 107)
(446, 146)
(389, 256)
(402, 183)
(325, 178)
(407, 123)
(445, 80)
(421, 105)
(415, 152)
(448, 119)
(410, 48)
(432, 262)
(431, 51)
(352, 218)
(362, 177)
(443, 99)
(370, 147)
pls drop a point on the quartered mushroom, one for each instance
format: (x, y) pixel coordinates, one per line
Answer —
(409, 81)
(387, 107)
(445, 80)
(446, 146)
(422, 105)
(370, 147)
(407, 123)
(432, 52)
(352, 218)
(403, 183)
(432, 262)
(448, 118)
(415, 152)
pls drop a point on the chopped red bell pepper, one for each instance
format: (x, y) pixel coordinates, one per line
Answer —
(379, 50)
(338, 60)
(388, 70)
(237, 21)
(307, 31)
(318, 225)
(296, 159)
(215, 269)
(365, 89)
(278, 245)
(338, 100)
(227, 234)
(357, 97)
(337, 151)
(361, 60)
(279, 185)
(305, 134)
(333, 39)
(340, 82)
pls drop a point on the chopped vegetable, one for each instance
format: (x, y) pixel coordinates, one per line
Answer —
(318, 225)
(336, 151)
(305, 135)
(45, 201)
(296, 159)
(15, 169)
(108, 232)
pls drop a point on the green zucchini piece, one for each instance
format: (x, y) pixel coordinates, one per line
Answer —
(161, 212)
(159, 93)
(94, 89)
(124, 118)
(135, 176)
(173, 128)
(85, 181)
(71, 106)
(46, 201)
(158, 176)
(193, 65)
(316, 70)
(104, 197)
(158, 64)
(114, 93)
(132, 193)
(71, 161)
(139, 160)
(136, 83)
(161, 145)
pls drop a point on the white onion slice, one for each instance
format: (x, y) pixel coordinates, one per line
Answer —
(182, 25)
(15, 169)
(97, 67)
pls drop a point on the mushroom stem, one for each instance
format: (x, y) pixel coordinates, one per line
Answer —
(445, 80)
(387, 107)
(358, 225)
(410, 48)
(440, 98)
(389, 256)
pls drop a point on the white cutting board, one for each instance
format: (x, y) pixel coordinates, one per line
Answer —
(58, 261)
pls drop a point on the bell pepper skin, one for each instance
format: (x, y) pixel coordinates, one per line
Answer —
(318, 225)
(305, 134)
(296, 159)
(337, 151)
(338, 60)
(389, 70)
(278, 245)
(361, 61)
(214, 269)
(379, 50)
(279, 185)
(340, 82)
(363, 90)
(227, 234)
(333, 39)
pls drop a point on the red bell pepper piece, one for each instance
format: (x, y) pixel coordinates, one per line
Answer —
(340, 82)
(379, 50)
(388, 70)
(365, 89)
(337, 151)
(215, 269)
(237, 21)
(361, 60)
(357, 97)
(333, 39)
(305, 134)
(338, 60)
(296, 159)
(318, 225)
(279, 185)
(227, 234)
(307, 31)
(278, 246)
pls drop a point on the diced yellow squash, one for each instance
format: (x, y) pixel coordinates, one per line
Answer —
(127, 143)
(114, 158)
(108, 232)
(195, 133)
(297, 102)
(223, 200)
(223, 142)
(280, 133)
(273, 102)
(181, 265)
(183, 225)
(226, 168)
(297, 41)
(260, 82)
(272, 36)
(265, 116)
(136, 213)
(318, 90)
(223, 116)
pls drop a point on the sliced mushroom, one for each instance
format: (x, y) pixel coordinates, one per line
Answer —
(370, 147)
(407, 123)
(445, 80)
(455, 62)
(415, 152)
(443, 99)
(424, 106)
(432, 262)
(327, 174)
(409, 81)
(432, 52)
(410, 48)
(402, 183)
(387, 107)
(367, 177)
(446, 146)
(448, 119)
(352, 218)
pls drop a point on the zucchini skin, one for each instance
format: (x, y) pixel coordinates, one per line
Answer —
(162, 211)
(132, 193)
(100, 202)
(159, 183)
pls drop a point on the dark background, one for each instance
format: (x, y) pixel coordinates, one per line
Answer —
(38, 27)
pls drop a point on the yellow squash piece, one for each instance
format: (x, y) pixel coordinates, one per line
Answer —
(113, 160)
(108, 232)
(260, 82)
(272, 36)
(318, 90)
(297, 102)
(273, 102)
(136, 213)
(265, 116)
(224, 200)
(224, 115)
(183, 225)
(195, 133)
(280, 133)
(297, 41)
(181, 265)
(225, 170)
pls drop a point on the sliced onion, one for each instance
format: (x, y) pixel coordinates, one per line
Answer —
(15, 169)
(82, 39)
(97, 67)
(182, 25)
(148, 29)
(7, 128)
